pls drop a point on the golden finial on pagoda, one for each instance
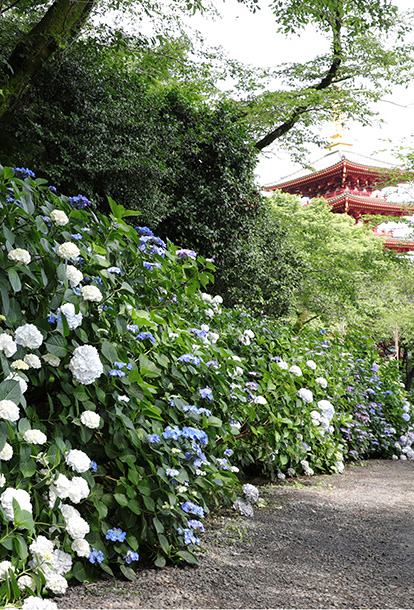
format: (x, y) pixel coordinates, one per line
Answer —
(338, 137)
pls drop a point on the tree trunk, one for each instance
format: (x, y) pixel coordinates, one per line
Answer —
(60, 24)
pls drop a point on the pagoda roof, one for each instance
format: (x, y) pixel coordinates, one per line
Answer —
(330, 164)
(367, 205)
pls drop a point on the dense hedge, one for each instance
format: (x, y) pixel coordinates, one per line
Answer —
(130, 398)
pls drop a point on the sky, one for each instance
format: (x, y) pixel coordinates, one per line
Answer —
(252, 38)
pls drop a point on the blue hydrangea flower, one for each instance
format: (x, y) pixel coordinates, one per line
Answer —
(148, 265)
(190, 507)
(76, 236)
(195, 525)
(94, 466)
(189, 537)
(144, 231)
(96, 556)
(206, 393)
(142, 336)
(79, 202)
(172, 472)
(115, 270)
(375, 367)
(116, 535)
(189, 358)
(172, 432)
(131, 556)
(185, 253)
(228, 452)
(23, 172)
(117, 373)
(134, 328)
(153, 438)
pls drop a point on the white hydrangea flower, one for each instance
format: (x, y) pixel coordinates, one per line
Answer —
(213, 337)
(291, 472)
(281, 476)
(2, 480)
(56, 583)
(22, 498)
(29, 336)
(123, 398)
(92, 420)
(295, 370)
(244, 508)
(19, 255)
(305, 395)
(33, 361)
(260, 400)
(249, 333)
(91, 293)
(19, 365)
(62, 486)
(340, 467)
(282, 365)
(78, 460)
(7, 345)
(68, 511)
(26, 581)
(5, 566)
(244, 340)
(219, 300)
(61, 561)
(234, 469)
(206, 297)
(77, 527)
(35, 437)
(79, 490)
(315, 415)
(327, 408)
(59, 218)
(324, 423)
(68, 250)
(6, 453)
(309, 472)
(322, 382)
(37, 603)
(16, 377)
(311, 364)
(51, 359)
(81, 547)
(9, 410)
(42, 548)
(251, 493)
(74, 275)
(85, 364)
(73, 319)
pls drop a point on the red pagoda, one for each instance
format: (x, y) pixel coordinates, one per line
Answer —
(348, 181)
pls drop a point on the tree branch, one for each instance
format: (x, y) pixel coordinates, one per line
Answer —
(325, 83)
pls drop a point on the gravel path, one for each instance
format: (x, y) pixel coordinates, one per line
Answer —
(342, 541)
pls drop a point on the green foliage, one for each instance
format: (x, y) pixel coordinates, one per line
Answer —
(124, 391)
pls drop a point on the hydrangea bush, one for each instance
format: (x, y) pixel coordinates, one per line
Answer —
(130, 399)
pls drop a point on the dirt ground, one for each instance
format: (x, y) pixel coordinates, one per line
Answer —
(340, 541)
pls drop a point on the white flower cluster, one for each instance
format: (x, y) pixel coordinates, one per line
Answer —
(76, 489)
(78, 460)
(311, 364)
(90, 419)
(19, 255)
(20, 381)
(322, 382)
(33, 361)
(29, 336)
(327, 409)
(35, 437)
(282, 365)
(306, 468)
(19, 365)
(305, 395)
(22, 498)
(7, 345)
(37, 603)
(295, 370)
(6, 453)
(215, 303)
(59, 218)
(5, 566)
(73, 275)
(91, 293)
(68, 250)
(52, 563)
(246, 337)
(73, 319)
(243, 507)
(76, 527)
(85, 364)
(251, 493)
(9, 410)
